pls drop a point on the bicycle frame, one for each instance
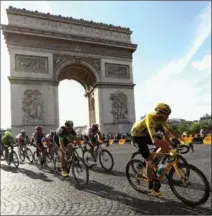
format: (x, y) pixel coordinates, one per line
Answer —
(174, 163)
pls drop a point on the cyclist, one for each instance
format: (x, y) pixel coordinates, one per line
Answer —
(144, 132)
(49, 140)
(22, 138)
(7, 140)
(65, 135)
(50, 136)
(37, 137)
(92, 139)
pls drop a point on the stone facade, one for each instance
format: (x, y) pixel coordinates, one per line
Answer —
(45, 49)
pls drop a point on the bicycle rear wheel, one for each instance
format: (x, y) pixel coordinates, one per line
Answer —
(87, 157)
(79, 168)
(14, 158)
(195, 188)
(137, 178)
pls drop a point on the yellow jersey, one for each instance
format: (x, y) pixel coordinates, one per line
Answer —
(148, 126)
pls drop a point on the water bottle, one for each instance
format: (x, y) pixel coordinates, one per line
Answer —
(160, 169)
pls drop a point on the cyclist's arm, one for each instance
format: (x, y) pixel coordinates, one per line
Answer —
(172, 132)
(150, 124)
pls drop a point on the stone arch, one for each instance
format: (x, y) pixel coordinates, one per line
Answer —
(80, 62)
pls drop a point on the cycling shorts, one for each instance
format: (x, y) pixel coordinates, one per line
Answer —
(143, 143)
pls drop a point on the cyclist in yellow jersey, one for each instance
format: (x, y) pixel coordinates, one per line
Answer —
(144, 132)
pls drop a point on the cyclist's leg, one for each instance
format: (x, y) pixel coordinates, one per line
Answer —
(144, 150)
(92, 143)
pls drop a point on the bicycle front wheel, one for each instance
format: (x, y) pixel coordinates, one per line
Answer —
(14, 158)
(106, 160)
(29, 155)
(80, 172)
(21, 154)
(185, 149)
(200, 190)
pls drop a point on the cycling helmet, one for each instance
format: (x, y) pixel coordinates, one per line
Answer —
(23, 132)
(95, 126)
(38, 128)
(52, 132)
(69, 124)
(7, 133)
(163, 109)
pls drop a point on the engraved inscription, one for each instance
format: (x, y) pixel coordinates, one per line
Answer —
(34, 64)
(32, 105)
(117, 71)
(69, 28)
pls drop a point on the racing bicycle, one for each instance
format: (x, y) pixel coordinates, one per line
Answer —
(172, 167)
(103, 155)
(74, 163)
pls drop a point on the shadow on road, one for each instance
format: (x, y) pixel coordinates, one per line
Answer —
(8, 168)
(34, 175)
(113, 172)
(140, 206)
(29, 173)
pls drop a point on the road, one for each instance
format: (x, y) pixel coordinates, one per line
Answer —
(29, 191)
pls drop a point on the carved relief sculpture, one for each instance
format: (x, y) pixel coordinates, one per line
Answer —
(117, 71)
(33, 108)
(34, 64)
(119, 106)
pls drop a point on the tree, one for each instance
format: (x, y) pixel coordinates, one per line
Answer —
(194, 128)
(182, 128)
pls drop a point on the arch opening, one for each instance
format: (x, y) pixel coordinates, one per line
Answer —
(80, 73)
(69, 77)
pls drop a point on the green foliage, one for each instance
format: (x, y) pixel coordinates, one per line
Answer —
(194, 128)
(182, 128)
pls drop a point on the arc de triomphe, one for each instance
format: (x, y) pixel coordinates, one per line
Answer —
(45, 49)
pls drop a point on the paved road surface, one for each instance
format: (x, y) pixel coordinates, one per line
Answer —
(30, 191)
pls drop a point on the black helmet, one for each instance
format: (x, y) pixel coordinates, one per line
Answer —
(52, 132)
(23, 132)
(69, 124)
(95, 126)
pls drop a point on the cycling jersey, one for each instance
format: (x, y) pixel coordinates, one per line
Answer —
(148, 126)
(38, 137)
(7, 140)
(20, 139)
(93, 132)
(62, 133)
(49, 137)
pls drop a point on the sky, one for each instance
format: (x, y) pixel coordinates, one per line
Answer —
(172, 63)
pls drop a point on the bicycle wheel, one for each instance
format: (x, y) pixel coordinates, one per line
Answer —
(137, 178)
(29, 155)
(181, 160)
(21, 154)
(185, 149)
(195, 188)
(79, 167)
(136, 154)
(104, 157)
(14, 159)
(86, 155)
(38, 160)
